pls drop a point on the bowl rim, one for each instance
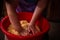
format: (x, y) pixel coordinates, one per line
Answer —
(15, 36)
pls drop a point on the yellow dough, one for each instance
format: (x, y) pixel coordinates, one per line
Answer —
(24, 25)
(12, 30)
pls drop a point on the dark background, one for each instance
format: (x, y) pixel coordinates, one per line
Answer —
(53, 16)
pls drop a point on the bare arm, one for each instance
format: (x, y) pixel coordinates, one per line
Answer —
(39, 8)
(13, 17)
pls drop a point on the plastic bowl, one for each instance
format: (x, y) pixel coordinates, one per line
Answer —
(43, 24)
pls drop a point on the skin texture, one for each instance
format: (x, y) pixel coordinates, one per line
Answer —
(39, 8)
(10, 6)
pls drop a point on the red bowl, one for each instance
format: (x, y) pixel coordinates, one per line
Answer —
(43, 24)
(0, 23)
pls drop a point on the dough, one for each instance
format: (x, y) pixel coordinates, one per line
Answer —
(24, 25)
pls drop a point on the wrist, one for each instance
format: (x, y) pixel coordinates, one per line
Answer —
(31, 23)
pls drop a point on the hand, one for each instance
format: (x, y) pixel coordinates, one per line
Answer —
(32, 28)
(24, 32)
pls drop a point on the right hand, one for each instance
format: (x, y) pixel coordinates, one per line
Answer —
(32, 28)
(24, 32)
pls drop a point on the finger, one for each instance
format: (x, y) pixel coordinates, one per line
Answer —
(28, 29)
(32, 30)
(37, 28)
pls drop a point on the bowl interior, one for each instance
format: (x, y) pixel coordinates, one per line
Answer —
(43, 24)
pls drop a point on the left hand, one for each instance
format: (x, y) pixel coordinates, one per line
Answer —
(32, 28)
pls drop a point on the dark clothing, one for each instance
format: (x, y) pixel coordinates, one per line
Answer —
(27, 5)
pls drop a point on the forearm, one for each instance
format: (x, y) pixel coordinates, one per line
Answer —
(13, 17)
(38, 10)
